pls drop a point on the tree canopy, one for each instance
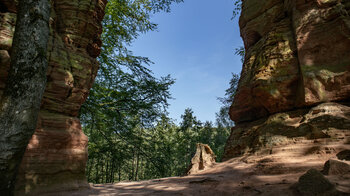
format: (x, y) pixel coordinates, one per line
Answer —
(125, 118)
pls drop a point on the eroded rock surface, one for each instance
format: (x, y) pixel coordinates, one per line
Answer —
(57, 153)
(344, 155)
(297, 55)
(325, 124)
(336, 167)
(295, 81)
(203, 159)
(313, 183)
(293, 95)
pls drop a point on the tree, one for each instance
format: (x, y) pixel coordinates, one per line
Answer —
(189, 120)
(25, 86)
(125, 84)
(126, 99)
(222, 117)
(130, 135)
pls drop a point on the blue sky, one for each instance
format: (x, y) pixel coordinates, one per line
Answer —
(195, 44)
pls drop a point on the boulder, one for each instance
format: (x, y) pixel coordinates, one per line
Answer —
(313, 183)
(344, 155)
(336, 167)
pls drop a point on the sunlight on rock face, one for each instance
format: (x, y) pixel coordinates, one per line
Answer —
(328, 120)
(59, 143)
(291, 107)
(203, 159)
(302, 53)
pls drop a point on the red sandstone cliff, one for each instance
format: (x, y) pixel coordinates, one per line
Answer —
(297, 57)
(57, 153)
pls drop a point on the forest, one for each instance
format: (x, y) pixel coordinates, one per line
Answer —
(125, 117)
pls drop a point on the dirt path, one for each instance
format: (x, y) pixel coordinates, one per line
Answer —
(254, 175)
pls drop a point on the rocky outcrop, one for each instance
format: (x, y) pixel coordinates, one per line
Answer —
(313, 183)
(297, 55)
(295, 82)
(203, 159)
(327, 123)
(336, 167)
(57, 153)
(344, 155)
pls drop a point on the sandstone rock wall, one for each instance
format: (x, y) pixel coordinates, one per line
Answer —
(324, 125)
(57, 153)
(297, 57)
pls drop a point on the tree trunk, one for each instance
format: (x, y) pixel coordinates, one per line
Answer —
(119, 172)
(132, 165)
(89, 168)
(112, 170)
(141, 169)
(20, 103)
(97, 177)
(107, 171)
(137, 166)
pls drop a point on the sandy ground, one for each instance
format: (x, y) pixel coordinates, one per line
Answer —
(254, 175)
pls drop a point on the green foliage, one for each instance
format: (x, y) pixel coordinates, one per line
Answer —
(125, 92)
(189, 120)
(237, 8)
(240, 51)
(222, 117)
(125, 118)
(126, 98)
(144, 153)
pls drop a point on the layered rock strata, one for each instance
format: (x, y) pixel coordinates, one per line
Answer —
(325, 124)
(295, 81)
(57, 153)
(297, 55)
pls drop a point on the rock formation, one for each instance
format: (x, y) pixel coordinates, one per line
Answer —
(297, 55)
(295, 82)
(336, 167)
(203, 159)
(344, 155)
(57, 153)
(325, 124)
(313, 183)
